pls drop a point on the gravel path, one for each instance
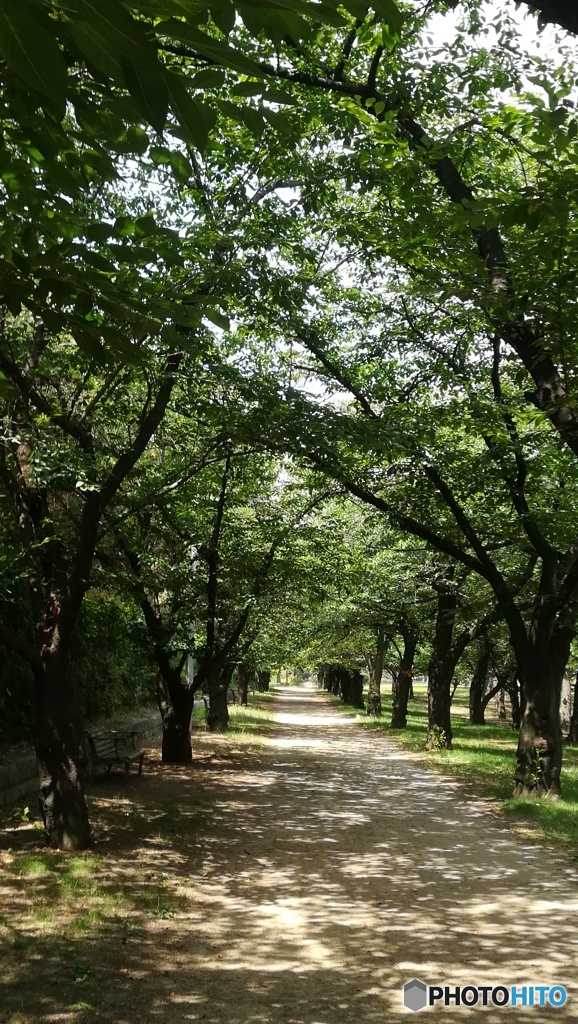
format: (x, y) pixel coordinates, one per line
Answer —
(332, 870)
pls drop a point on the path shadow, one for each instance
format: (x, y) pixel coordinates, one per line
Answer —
(302, 881)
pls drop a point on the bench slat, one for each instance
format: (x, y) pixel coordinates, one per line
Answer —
(105, 747)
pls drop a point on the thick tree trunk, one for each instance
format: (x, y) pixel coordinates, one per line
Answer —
(218, 683)
(60, 751)
(351, 689)
(403, 681)
(539, 755)
(478, 685)
(573, 731)
(440, 677)
(263, 681)
(175, 701)
(440, 673)
(375, 666)
(244, 674)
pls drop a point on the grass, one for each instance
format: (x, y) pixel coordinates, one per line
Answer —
(249, 721)
(484, 757)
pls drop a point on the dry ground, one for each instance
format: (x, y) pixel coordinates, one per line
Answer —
(299, 880)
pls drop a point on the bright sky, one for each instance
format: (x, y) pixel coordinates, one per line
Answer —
(546, 42)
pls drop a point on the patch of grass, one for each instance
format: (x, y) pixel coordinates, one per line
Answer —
(484, 756)
(249, 720)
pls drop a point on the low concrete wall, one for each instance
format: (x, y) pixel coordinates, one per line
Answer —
(19, 780)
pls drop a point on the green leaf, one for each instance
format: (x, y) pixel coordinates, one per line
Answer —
(95, 51)
(279, 96)
(171, 336)
(389, 12)
(196, 119)
(248, 89)
(31, 51)
(253, 119)
(223, 14)
(119, 31)
(149, 92)
(215, 49)
(321, 12)
(217, 318)
(210, 78)
(181, 167)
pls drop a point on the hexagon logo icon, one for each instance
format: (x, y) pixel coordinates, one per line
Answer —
(415, 995)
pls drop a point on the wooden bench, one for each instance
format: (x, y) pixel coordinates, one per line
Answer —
(203, 700)
(112, 746)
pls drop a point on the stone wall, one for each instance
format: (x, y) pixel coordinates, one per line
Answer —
(18, 778)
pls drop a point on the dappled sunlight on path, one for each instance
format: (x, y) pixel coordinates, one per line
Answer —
(328, 870)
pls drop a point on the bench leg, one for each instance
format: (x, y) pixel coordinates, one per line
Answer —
(141, 759)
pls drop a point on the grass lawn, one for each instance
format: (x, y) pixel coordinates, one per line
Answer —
(484, 756)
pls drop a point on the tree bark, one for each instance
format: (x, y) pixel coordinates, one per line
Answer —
(263, 680)
(478, 685)
(175, 702)
(352, 687)
(401, 689)
(375, 665)
(573, 731)
(218, 682)
(441, 671)
(501, 705)
(60, 752)
(539, 754)
(565, 702)
(514, 692)
(244, 674)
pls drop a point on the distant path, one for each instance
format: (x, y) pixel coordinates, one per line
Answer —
(330, 871)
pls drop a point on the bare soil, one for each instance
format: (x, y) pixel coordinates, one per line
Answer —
(299, 879)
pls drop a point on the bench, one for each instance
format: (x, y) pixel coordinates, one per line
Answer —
(203, 700)
(201, 703)
(112, 746)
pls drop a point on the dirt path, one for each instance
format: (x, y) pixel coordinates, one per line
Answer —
(328, 871)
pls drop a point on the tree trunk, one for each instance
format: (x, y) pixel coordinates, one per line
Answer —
(175, 702)
(478, 685)
(244, 674)
(573, 732)
(403, 681)
(440, 677)
(375, 665)
(565, 701)
(218, 683)
(514, 692)
(440, 673)
(539, 755)
(59, 750)
(501, 705)
(263, 680)
(352, 687)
